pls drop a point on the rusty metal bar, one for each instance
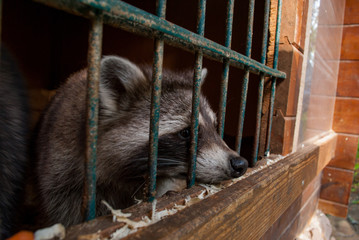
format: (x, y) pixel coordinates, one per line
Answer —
(93, 75)
(274, 80)
(261, 84)
(225, 73)
(243, 102)
(196, 96)
(155, 105)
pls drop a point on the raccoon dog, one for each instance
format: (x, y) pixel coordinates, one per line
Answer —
(13, 143)
(123, 135)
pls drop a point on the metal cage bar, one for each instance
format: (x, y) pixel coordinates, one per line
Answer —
(261, 84)
(155, 105)
(1, 3)
(93, 75)
(243, 102)
(196, 95)
(225, 73)
(274, 81)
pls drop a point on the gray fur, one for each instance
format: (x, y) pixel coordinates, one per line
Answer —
(125, 93)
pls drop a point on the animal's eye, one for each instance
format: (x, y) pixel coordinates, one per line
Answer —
(185, 133)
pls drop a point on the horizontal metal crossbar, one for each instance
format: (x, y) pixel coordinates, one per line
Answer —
(125, 16)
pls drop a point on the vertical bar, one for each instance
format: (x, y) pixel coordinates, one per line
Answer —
(261, 84)
(155, 106)
(195, 97)
(0, 26)
(225, 74)
(93, 75)
(245, 78)
(195, 118)
(274, 81)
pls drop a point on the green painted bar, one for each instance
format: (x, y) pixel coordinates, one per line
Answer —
(271, 110)
(195, 119)
(93, 73)
(274, 81)
(261, 84)
(242, 109)
(225, 73)
(201, 17)
(127, 17)
(155, 106)
(254, 159)
(0, 26)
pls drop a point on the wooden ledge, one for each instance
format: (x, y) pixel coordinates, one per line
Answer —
(244, 210)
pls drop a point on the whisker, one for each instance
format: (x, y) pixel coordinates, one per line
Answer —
(163, 161)
(133, 195)
(170, 160)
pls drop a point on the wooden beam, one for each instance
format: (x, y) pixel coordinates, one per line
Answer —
(327, 146)
(293, 220)
(333, 208)
(246, 209)
(336, 185)
(345, 152)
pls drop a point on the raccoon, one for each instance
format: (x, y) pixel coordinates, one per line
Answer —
(13, 143)
(123, 136)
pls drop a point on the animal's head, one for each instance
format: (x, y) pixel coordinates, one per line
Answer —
(125, 96)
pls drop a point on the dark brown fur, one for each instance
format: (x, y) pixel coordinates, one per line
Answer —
(13, 143)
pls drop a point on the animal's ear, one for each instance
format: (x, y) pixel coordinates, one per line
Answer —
(119, 76)
(203, 75)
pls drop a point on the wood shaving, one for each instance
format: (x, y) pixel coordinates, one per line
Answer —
(56, 231)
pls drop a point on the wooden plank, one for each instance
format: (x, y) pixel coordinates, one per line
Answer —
(346, 115)
(294, 84)
(345, 153)
(302, 218)
(260, 199)
(308, 192)
(351, 12)
(348, 78)
(290, 62)
(102, 227)
(301, 23)
(295, 213)
(350, 42)
(282, 134)
(332, 208)
(336, 185)
(327, 146)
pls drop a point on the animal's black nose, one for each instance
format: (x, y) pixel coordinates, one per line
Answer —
(239, 166)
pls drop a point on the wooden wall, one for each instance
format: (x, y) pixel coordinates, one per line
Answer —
(290, 61)
(338, 175)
